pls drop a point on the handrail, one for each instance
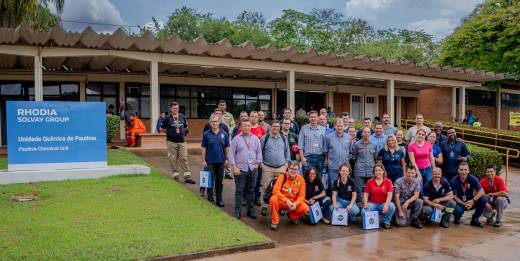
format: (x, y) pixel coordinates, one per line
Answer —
(499, 149)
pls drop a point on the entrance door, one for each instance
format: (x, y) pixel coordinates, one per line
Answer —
(356, 106)
(370, 106)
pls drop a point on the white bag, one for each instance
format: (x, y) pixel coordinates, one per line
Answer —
(370, 220)
(325, 180)
(315, 213)
(436, 216)
(340, 217)
(205, 179)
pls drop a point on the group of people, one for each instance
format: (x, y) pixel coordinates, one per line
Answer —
(285, 168)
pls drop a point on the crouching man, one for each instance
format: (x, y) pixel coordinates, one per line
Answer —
(406, 197)
(289, 195)
(468, 194)
(437, 194)
(496, 192)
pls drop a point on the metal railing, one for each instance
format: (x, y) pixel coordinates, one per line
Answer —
(493, 137)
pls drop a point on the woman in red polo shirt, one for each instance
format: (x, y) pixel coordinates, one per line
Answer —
(378, 195)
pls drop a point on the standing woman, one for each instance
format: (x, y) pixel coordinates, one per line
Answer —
(437, 152)
(344, 193)
(364, 153)
(421, 156)
(316, 192)
(392, 158)
(378, 195)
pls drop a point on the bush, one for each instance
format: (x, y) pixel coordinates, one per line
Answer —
(112, 126)
(302, 121)
(481, 158)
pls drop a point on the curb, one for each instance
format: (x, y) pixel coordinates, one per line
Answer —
(215, 252)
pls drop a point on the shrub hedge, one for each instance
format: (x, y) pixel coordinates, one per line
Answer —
(481, 158)
(112, 126)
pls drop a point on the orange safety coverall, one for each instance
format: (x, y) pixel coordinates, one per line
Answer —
(136, 127)
(293, 190)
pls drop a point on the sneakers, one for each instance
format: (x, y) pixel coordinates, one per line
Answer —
(274, 226)
(415, 223)
(490, 219)
(220, 203)
(444, 224)
(456, 221)
(188, 180)
(386, 226)
(326, 221)
(228, 175)
(476, 223)
(258, 202)
(251, 215)
(237, 215)
(497, 224)
(294, 222)
(263, 212)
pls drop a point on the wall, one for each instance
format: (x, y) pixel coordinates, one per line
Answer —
(486, 115)
(435, 104)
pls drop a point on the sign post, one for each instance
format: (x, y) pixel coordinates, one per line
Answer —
(56, 135)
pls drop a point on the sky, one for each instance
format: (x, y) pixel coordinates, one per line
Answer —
(436, 17)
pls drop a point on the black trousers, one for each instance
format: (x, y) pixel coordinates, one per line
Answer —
(217, 175)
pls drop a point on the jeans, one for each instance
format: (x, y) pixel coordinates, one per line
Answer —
(315, 161)
(342, 203)
(217, 175)
(332, 176)
(379, 208)
(478, 207)
(426, 175)
(245, 182)
(427, 210)
(325, 203)
(258, 184)
(415, 211)
(498, 204)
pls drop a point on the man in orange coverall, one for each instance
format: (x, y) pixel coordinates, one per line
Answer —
(288, 194)
(136, 127)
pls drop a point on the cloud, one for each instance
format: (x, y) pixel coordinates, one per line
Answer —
(439, 27)
(101, 15)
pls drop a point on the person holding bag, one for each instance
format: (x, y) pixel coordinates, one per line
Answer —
(289, 195)
(378, 195)
(215, 147)
(344, 193)
(315, 192)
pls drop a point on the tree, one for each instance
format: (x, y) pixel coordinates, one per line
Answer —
(14, 12)
(489, 39)
(42, 18)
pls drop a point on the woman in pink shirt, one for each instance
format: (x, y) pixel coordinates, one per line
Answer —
(421, 156)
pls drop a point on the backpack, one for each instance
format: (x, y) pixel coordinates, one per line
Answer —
(267, 138)
(269, 189)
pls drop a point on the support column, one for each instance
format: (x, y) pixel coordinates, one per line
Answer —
(274, 102)
(453, 104)
(499, 106)
(291, 86)
(390, 103)
(82, 91)
(38, 78)
(462, 103)
(330, 100)
(154, 95)
(122, 102)
(398, 111)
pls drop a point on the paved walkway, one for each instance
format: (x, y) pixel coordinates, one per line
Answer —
(325, 242)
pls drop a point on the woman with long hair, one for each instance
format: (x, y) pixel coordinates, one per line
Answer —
(378, 195)
(392, 158)
(344, 193)
(315, 192)
(421, 156)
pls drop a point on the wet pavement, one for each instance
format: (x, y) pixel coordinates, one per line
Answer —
(325, 242)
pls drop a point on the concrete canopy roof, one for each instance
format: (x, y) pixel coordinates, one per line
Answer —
(118, 40)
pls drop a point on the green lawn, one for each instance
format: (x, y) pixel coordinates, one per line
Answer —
(115, 218)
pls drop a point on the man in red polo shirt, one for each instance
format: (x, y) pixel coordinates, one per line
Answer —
(496, 191)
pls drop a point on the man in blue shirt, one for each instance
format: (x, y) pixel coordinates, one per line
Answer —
(469, 194)
(337, 152)
(378, 137)
(215, 147)
(454, 151)
(310, 143)
(441, 138)
(159, 122)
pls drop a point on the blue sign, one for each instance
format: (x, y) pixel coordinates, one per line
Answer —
(56, 135)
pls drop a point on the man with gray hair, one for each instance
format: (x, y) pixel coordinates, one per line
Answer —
(419, 124)
(441, 138)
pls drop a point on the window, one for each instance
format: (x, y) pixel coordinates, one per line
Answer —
(103, 92)
(510, 100)
(480, 98)
(138, 99)
(200, 101)
(54, 91)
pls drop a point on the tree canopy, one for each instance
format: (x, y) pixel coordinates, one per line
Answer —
(33, 12)
(488, 39)
(320, 29)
